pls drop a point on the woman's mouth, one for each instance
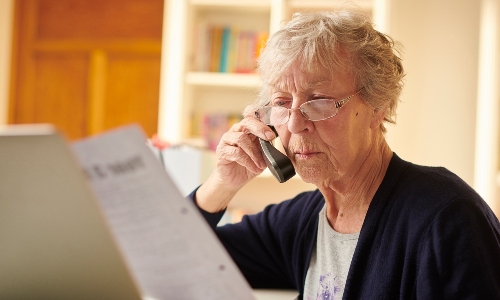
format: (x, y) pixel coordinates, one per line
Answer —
(305, 155)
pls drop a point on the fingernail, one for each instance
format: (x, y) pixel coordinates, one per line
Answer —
(269, 135)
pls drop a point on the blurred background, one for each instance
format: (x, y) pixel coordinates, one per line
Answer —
(183, 69)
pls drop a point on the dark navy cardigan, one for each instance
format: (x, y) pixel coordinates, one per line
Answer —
(426, 235)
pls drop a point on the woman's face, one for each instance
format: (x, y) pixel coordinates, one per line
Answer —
(329, 150)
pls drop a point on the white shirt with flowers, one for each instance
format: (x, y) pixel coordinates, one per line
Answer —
(330, 262)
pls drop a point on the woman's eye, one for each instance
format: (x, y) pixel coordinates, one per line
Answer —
(318, 97)
(279, 102)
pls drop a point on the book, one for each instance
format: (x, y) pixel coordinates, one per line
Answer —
(226, 48)
(224, 55)
(262, 38)
(214, 126)
(203, 44)
(246, 54)
(233, 49)
(216, 33)
(211, 126)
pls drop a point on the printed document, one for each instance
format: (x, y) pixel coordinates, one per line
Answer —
(170, 249)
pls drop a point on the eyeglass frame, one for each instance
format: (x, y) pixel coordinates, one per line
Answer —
(338, 105)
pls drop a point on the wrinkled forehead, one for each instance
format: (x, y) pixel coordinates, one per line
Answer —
(297, 77)
(320, 67)
(301, 77)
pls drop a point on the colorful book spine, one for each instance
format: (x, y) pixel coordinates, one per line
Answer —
(227, 49)
(233, 50)
(215, 50)
(203, 44)
(226, 34)
(211, 126)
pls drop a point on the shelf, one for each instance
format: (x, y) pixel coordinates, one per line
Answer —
(223, 79)
(227, 4)
(294, 4)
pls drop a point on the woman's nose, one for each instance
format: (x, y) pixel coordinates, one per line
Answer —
(297, 122)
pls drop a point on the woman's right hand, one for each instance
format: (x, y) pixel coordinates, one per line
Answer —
(239, 159)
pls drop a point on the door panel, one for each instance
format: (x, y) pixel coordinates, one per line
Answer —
(129, 81)
(60, 92)
(86, 66)
(100, 19)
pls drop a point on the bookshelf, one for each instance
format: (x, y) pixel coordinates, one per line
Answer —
(189, 90)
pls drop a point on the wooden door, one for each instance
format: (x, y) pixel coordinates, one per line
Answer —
(86, 65)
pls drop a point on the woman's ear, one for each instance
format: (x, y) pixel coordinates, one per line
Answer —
(377, 117)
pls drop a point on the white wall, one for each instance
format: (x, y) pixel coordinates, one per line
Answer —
(6, 14)
(486, 175)
(437, 117)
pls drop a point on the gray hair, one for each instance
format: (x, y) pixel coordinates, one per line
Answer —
(315, 40)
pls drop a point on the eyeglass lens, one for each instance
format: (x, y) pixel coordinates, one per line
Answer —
(314, 110)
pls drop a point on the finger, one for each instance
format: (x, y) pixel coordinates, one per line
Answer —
(248, 163)
(229, 154)
(255, 127)
(248, 143)
(250, 110)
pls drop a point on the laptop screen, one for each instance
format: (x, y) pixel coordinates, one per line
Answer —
(54, 241)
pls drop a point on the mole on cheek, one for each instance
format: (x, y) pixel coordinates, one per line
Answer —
(356, 114)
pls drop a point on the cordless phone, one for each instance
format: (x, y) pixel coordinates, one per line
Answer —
(279, 164)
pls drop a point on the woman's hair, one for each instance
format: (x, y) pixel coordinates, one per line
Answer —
(318, 39)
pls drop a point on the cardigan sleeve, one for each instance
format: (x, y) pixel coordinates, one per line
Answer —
(211, 218)
(460, 256)
(265, 246)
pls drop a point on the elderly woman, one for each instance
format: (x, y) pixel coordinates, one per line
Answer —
(377, 227)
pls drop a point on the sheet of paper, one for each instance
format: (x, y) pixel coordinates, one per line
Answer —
(169, 248)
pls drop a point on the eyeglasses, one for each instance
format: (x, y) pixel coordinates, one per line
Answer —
(314, 110)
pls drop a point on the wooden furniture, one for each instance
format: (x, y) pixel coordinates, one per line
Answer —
(86, 66)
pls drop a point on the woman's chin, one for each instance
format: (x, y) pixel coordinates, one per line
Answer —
(310, 174)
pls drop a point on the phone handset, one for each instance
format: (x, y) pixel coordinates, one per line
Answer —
(279, 164)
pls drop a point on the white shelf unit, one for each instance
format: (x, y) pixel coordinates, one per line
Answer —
(250, 81)
(185, 90)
